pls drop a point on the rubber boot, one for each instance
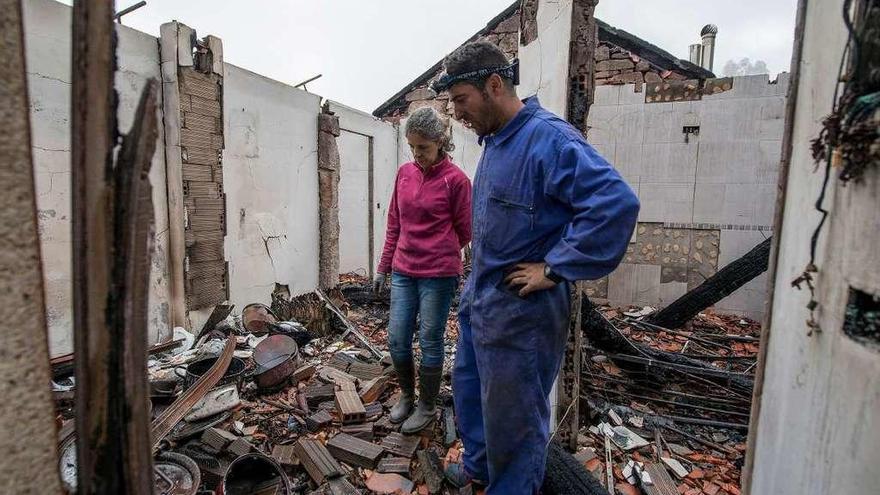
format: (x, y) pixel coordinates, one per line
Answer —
(406, 378)
(426, 412)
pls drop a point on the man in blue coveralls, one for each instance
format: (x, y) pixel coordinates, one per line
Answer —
(547, 211)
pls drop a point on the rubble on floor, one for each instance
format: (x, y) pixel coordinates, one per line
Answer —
(304, 408)
(298, 410)
(668, 428)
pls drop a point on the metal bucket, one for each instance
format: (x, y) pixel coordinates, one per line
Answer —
(257, 318)
(254, 473)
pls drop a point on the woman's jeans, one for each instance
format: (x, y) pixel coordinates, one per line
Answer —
(430, 299)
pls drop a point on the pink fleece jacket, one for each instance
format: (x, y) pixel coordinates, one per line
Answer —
(429, 221)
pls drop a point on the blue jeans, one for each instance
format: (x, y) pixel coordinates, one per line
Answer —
(429, 298)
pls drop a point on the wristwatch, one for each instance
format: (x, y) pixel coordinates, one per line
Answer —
(551, 275)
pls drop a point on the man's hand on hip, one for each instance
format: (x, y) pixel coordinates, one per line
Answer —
(528, 277)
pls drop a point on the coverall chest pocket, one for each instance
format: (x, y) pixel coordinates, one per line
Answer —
(510, 219)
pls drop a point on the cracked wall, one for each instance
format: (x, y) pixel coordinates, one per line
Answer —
(47, 42)
(270, 176)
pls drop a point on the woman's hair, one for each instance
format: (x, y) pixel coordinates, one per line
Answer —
(427, 123)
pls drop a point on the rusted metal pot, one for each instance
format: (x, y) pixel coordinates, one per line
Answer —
(257, 318)
(254, 473)
(276, 357)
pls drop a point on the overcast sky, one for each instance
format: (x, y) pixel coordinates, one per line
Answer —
(369, 50)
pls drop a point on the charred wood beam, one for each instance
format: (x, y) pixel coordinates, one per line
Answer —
(715, 288)
(112, 240)
(660, 363)
(93, 135)
(603, 335)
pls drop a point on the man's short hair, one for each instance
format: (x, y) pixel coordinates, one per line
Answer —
(475, 56)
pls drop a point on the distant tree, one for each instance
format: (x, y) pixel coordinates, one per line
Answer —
(744, 67)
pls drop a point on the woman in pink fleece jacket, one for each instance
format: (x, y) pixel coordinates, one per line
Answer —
(429, 222)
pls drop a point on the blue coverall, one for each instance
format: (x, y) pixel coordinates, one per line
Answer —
(541, 193)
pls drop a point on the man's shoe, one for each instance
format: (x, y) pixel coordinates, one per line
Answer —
(458, 476)
(407, 381)
(426, 412)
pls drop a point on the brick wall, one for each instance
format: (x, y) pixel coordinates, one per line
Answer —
(201, 143)
(614, 65)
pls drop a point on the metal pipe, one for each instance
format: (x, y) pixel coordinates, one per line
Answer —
(118, 16)
(707, 59)
(307, 81)
(695, 53)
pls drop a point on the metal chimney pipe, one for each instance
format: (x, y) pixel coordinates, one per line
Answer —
(707, 60)
(696, 52)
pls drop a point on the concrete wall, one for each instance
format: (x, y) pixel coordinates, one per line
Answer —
(270, 176)
(706, 199)
(47, 42)
(368, 149)
(818, 428)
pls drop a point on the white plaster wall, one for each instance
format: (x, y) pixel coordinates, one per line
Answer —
(467, 151)
(47, 42)
(725, 176)
(270, 177)
(544, 61)
(818, 431)
(354, 202)
(386, 160)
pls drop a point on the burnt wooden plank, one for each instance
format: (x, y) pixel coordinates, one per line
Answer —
(316, 460)
(350, 407)
(398, 465)
(319, 420)
(354, 451)
(363, 431)
(401, 445)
